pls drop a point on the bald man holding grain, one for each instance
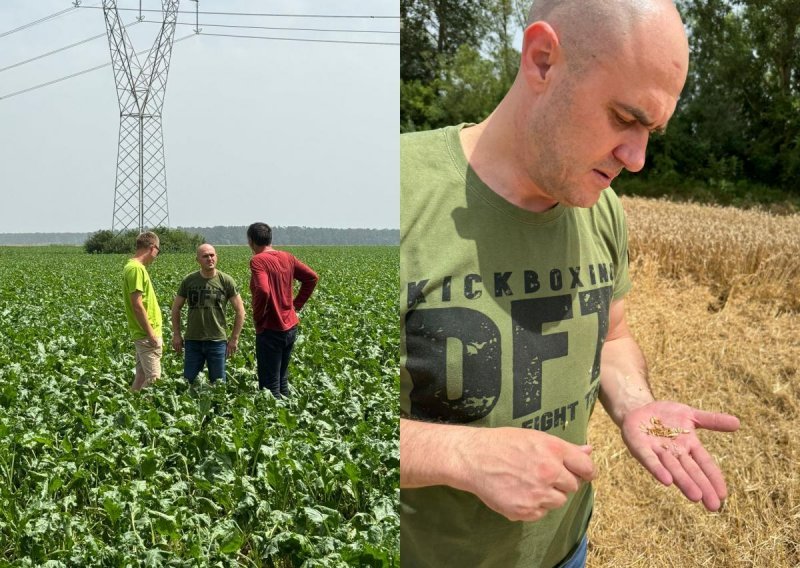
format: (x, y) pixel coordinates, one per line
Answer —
(514, 270)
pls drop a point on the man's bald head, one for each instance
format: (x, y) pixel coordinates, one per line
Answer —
(207, 258)
(592, 9)
(588, 29)
(205, 248)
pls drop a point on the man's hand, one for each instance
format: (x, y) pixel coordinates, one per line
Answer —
(679, 457)
(233, 346)
(177, 343)
(521, 474)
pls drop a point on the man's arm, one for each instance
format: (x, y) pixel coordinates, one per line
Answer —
(238, 323)
(626, 396)
(520, 473)
(308, 281)
(624, 381)
(259, 287)
(177, 339)
(141, 316)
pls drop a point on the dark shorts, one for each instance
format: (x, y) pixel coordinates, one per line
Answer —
(200, 353)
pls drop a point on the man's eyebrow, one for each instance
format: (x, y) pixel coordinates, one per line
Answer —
(642, 118)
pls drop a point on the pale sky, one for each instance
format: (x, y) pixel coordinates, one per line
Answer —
(285, 132)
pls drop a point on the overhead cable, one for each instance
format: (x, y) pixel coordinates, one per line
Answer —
(262, 14)
(88, 39)
(66, 47)
(60, 79)
(284, 28)
(39, 21)
(300, 39)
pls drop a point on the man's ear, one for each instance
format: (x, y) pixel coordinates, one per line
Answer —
(540, 49)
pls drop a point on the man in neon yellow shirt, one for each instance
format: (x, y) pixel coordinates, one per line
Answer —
(143, 311)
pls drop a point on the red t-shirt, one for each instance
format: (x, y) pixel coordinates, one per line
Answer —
(271, 275)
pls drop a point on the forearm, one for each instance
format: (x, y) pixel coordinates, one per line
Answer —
(308, 281)
(238, 324)
(623, 378)
(176, 322)
(306, 289)
(431, 454)
(141, 317)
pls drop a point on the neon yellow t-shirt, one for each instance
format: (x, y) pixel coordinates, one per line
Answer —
(503, 316)
(135, 278)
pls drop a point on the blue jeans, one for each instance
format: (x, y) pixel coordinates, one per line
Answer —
(273, 349)
(578, 557)
(198, 353)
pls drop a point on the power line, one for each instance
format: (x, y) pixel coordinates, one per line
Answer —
(87, 40)
(53, 82)
(284, 28)
(83, 72)
(60, 79)
(301, 39)
(39, 21)
(59, 50)
(261, 14)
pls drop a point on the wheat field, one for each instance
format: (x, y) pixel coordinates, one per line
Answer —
(716, 309)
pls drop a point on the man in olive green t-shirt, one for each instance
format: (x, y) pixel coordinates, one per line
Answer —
(513, 269)
(206, 342)
(142, 310)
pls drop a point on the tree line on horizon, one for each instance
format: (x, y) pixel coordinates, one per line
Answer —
(228, 235)
(295, 235)
(735, 134)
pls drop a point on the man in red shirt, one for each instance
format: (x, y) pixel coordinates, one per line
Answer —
(275, 307)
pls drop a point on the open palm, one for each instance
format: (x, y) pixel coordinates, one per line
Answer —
(680, 457)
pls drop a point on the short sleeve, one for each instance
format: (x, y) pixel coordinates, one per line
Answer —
(622, 280)
(182, 289)
(134, 279)
(229, 284)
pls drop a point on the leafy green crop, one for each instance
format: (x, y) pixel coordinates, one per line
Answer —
(92, 474)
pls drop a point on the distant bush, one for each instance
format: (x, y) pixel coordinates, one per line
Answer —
(97, 242)
(172, 240)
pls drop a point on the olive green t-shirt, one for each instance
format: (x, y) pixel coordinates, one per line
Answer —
(206, 299)
(503, 316)
(135, 278)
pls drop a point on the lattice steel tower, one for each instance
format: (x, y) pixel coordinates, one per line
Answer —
(140, 192)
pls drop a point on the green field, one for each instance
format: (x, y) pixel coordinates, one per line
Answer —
(92, 474)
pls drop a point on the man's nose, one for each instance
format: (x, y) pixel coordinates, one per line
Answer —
(631, 152)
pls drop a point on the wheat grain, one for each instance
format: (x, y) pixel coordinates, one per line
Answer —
(657, 428)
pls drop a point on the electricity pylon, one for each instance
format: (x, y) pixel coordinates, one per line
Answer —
(140, 192)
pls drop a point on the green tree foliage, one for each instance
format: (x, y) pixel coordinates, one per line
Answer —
(293, 235)
(172, 240)
(737, 125)
(457, 59)
(735, 134)
(97, 242)
(434, 28)
(222, 235)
